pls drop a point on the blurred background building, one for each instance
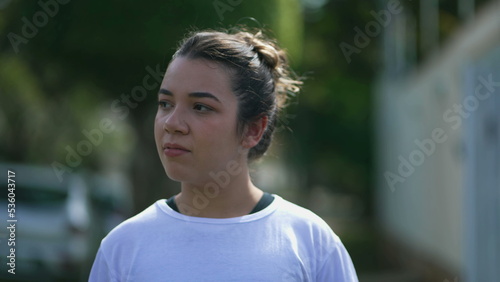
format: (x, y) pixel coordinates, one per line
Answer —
(393, 140)
(438, 144)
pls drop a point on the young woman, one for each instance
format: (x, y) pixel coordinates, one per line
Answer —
(217, 109)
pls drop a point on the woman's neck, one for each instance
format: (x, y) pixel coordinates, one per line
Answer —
(224, 195)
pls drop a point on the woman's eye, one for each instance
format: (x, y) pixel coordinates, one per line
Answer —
(164, 104)
(202, 108)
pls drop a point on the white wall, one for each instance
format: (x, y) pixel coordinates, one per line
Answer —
(426, 211)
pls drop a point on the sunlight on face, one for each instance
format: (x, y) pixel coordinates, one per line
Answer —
(195, 126)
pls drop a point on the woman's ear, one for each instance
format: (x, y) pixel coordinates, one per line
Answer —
(254, 131)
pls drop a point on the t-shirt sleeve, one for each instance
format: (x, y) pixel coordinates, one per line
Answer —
(100, 269)
(338, 266)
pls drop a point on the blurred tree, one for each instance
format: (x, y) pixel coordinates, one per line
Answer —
(332, 131)
(66, 67)
(86, 57)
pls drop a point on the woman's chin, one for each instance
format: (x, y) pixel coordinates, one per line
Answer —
(176, 174)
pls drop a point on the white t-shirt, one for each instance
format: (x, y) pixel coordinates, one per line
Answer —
(282, 242)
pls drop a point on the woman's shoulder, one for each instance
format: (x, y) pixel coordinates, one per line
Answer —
(136, 225)
(297, 212)
(302, 218)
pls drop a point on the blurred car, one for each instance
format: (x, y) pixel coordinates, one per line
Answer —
(112, 199)
(54, 233)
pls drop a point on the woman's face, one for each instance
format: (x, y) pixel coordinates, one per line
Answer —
(195, 126)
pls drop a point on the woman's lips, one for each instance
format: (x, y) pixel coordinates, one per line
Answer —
(174, 150)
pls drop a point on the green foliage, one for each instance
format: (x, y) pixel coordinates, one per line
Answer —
(65, 79)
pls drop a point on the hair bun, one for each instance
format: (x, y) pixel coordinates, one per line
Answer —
(266, 50)
(276, 60)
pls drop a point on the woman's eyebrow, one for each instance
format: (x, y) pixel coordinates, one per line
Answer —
(165, 92)
(203, 95)
(192, 95)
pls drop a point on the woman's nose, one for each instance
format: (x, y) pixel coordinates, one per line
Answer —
(175, 122)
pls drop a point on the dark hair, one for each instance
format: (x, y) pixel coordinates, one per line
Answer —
(260, 74)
